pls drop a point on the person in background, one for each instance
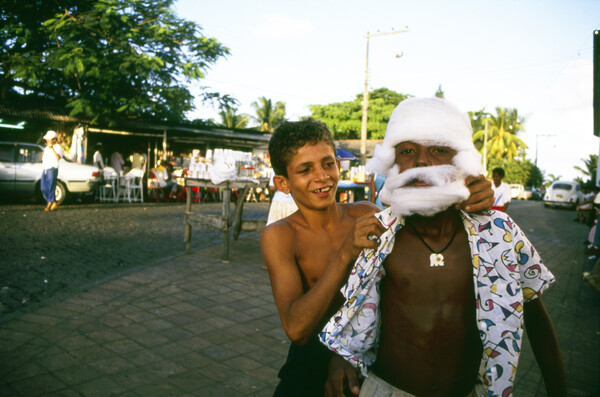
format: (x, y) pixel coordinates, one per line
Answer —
(52, 153)
(97, 159)
(117, 162)
(501, 190)
(586, 207)
(282, 204)
(137, 160)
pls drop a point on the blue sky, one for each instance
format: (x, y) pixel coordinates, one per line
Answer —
(535, 56)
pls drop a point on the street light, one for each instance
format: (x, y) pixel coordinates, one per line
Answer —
(365, 104)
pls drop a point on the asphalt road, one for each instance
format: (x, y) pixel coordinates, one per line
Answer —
(46, 255)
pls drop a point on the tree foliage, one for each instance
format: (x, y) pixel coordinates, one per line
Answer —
(231, 119)
(589, 171)
(519, 171)
(104, 59)
(268, 116)
(344, 118)
(439, 93)
(502, 139)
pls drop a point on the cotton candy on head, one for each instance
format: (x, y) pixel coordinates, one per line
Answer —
(428, 121)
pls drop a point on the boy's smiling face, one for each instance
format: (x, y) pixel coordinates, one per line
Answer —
(313, 174)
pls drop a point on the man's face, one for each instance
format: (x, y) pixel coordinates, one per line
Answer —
(424, 180)
(413, 155)
(313, 174)
(497, 179)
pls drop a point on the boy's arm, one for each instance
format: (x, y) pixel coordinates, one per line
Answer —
(544, 344)
(481, 197)
(301, 311)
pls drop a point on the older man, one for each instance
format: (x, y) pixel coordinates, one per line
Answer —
(438, 308)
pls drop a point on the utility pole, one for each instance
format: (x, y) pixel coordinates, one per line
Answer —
(365, 102)
(485, 138)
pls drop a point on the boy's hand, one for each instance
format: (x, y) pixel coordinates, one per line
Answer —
(342, 376)
(364, 234)
(482, 195)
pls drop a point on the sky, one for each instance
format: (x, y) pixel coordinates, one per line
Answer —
(532, 55)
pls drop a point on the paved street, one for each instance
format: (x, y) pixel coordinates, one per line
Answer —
(141, 318)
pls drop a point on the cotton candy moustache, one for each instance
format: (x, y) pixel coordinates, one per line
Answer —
(446, 187)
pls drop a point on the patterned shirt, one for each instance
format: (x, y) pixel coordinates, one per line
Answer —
(507, 272)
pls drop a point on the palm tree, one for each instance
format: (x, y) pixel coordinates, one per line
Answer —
(591, 164)
(551, 178)
(230, 119)
(267, 116)
(502, 139)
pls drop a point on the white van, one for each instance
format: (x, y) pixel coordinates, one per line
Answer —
(563, 194)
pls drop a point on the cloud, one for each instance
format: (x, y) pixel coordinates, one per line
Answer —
(280, 27)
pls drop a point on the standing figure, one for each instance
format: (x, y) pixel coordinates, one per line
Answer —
(501, 190)
(117, 162)
(308, 253)
(440, 306)
(98, 160)
(52, 153)
(282, 204)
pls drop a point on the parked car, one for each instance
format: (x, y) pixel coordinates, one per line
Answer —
(563, 194)
(536, 194)
(518, 192)
(21, 171)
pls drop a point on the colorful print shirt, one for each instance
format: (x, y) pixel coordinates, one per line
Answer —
(507, 272)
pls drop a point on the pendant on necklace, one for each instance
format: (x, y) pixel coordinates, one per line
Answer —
(436, 260)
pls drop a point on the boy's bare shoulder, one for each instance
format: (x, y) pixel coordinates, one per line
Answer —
(281, 231)
(359, 208)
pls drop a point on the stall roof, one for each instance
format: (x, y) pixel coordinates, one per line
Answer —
(177, 133)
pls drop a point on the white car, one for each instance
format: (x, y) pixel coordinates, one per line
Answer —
(21, 171)
(563, 194)
(518, 192)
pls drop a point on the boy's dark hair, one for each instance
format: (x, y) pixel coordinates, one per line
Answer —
(499, 171)
(291, 136)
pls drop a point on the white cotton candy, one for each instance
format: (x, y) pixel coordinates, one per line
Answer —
(447, 188)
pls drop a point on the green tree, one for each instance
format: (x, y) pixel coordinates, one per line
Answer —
(439, 93)
(502, 139)
(105, 59)
(231, 119)
(536, 177)
(268, 116)
(591, 165)
(344, 118)
(551, 178)
(515, 171)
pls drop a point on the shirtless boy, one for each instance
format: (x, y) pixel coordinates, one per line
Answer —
(438, 308)
(308, 254)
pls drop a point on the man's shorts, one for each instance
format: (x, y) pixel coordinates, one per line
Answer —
(375, 386)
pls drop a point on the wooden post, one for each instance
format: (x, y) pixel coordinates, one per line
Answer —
(188, 226)
(237, 215)
(225, 233)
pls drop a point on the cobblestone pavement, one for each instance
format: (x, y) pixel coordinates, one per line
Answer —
(157, 322)
(48, 254)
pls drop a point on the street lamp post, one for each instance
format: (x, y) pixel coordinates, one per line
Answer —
(365, 102)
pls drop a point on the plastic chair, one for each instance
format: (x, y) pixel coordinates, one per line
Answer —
(131, 186)
(108, 190)
(135, 185)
